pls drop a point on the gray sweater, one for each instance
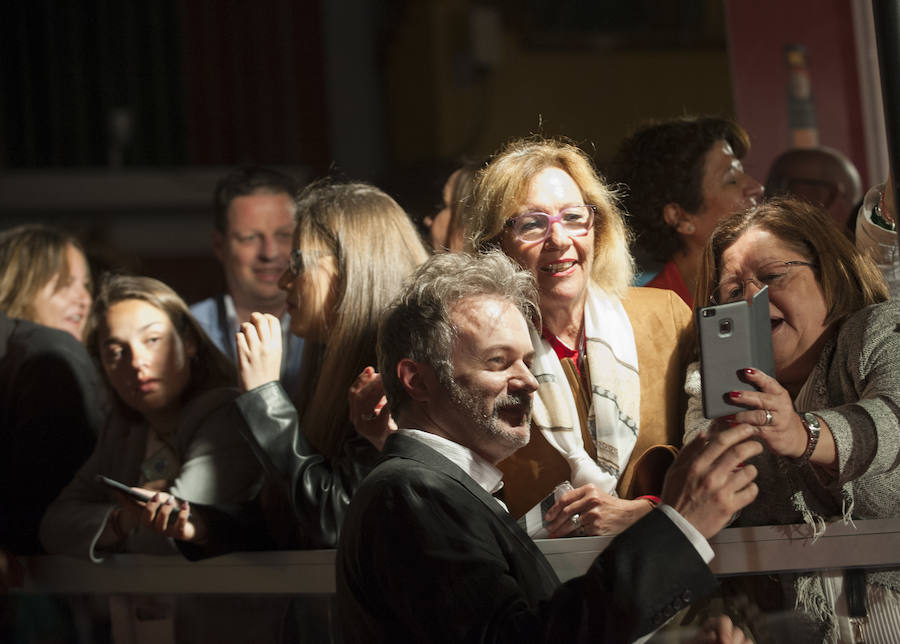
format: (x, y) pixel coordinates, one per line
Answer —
(855, 389)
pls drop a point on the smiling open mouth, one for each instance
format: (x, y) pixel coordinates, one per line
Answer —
(558, 267)
(514, 410)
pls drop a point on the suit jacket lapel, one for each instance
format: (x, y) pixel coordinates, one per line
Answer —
(400, 446)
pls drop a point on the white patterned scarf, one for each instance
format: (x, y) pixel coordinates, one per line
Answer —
(615, 395)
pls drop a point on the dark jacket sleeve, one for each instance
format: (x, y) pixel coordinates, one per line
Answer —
(419, 564)
(646, 575)
(319, 489)
(53, 406)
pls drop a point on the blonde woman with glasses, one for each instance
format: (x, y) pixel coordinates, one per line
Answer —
(609, 357)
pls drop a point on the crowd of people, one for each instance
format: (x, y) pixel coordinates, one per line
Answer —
(430, 414)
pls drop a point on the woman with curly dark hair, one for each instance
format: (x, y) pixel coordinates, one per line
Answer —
(682, 176)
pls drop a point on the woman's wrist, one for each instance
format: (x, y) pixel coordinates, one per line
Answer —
(809, 423)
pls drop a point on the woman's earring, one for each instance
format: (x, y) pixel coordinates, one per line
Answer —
(689, 228)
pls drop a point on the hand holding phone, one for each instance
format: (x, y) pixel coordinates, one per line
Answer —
(121, 487)
(144, 498)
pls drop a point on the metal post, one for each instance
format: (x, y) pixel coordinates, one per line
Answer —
(887, 39)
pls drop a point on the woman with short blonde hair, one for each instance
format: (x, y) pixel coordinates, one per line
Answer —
(609, 358)
(503, 186)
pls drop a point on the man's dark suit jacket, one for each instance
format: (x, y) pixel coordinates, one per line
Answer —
(52, 406)
(426, 555)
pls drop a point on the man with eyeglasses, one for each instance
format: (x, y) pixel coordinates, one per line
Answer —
(254, 224)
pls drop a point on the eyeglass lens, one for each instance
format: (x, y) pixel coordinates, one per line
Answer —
(535, 226)
(771, 275)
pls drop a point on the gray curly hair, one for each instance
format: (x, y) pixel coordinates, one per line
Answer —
(418, 325)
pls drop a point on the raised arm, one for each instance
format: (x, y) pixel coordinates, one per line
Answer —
(319, 489)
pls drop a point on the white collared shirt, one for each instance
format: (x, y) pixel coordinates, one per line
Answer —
(486, 475)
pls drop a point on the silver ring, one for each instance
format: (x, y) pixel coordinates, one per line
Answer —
(576, 520)
(369, 417)
(768, 417)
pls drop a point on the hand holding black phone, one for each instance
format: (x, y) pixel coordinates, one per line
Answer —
(137, 496)
(121, 487)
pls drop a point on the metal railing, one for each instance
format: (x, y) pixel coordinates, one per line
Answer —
(765, 549)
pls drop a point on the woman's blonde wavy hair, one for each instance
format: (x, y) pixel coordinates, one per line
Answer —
(501, 188)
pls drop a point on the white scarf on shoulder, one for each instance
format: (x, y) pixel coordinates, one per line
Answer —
(615, 395)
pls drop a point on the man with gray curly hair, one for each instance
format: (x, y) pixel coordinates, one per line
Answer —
(427, 552)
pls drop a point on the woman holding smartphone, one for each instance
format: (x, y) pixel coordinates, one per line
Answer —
(172, 430)
(829, 415)
(168, 430)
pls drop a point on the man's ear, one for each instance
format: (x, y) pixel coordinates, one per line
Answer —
(417, 378)
(678, 219)
(218, 245)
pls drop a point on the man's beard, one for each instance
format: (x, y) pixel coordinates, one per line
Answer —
(490, 425)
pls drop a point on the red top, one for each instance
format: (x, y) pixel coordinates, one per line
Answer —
(562, 351)
(670, 278)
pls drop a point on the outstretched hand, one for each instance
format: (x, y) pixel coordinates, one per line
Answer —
(258, 351)
(709, 480)
(367, 406)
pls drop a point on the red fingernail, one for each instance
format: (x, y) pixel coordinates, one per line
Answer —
(740, 465)
(728, 417)
(750, 371)
(734, 394)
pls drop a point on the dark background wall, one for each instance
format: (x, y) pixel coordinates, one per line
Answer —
(116, 116)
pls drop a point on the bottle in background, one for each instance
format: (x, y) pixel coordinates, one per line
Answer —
(804, 133)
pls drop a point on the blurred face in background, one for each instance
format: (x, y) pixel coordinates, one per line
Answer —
(726, 188)
(63, 302)
(254, 248)
(439, 225)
